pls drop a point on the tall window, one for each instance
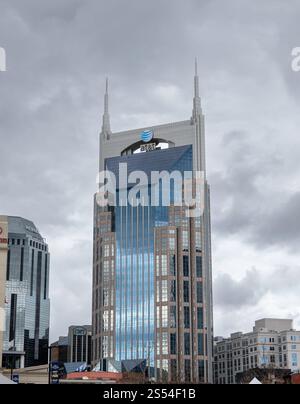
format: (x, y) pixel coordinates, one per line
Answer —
(198, 241)
(105, 297)
(164, 291)
(157, 291)
(173, 322)
(187, 344)
(164, 343)
(200, 318)
(186, 291)
(199, 292)
(201, 370)
(165, 320)
(106, 271)
(172, 243)
(173, 291)
(186, 270)
(32, 273)
(46, 277)
(199, 267)
(173, 265)
(173, 347)
(187, 370)
(8, 266)
(164, 265)
(106, 321)
(186, 317)
(185, 240)
(200, 344)
(22, 265)
(106, 251)
(174, 369)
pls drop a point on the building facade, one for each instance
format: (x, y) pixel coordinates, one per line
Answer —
(27, 305)
(80, 344)
(272, 344)
(3, 261)
(60, 350)
(152, 281)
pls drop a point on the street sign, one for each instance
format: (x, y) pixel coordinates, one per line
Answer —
(16, 378)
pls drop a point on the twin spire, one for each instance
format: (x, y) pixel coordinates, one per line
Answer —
(197, 100)
(106, 130)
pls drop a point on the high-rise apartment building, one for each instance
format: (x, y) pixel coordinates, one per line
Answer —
(24, 265)
(273, 344)
(152, 281)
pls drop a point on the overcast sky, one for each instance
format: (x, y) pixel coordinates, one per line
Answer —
(58, 55)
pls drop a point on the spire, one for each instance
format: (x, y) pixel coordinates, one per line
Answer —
(106, 118)
(197, 99)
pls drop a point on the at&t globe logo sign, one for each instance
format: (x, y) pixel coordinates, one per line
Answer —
(147, 136)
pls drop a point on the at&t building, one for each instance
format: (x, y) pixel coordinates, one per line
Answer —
(152, 276)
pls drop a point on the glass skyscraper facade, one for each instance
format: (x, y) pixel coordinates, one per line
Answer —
(135, 255)
(27, 305)
(152, 298)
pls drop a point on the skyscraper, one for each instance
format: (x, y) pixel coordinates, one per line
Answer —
(152, 282)
(27, 304)
(3, 260)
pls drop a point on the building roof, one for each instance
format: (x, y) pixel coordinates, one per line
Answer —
(63, 341)
(160, 160)
(71, 367)
(95, 376)
(19, 225)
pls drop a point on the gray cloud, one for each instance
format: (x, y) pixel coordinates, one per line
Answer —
(247, 206)
(58, 55)
(232, 294)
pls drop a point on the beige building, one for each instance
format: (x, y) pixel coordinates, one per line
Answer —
(3, 261)
(273, 344)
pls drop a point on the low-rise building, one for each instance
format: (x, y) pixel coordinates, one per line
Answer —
(273, 343)
(80, 344)
(75, 347)
(59, 350)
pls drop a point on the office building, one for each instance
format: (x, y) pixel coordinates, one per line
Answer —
(27, 305)
(80, 344)
(3, 261)
(152, 282)
(76, 347)
(59, 350)
(273, 343)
